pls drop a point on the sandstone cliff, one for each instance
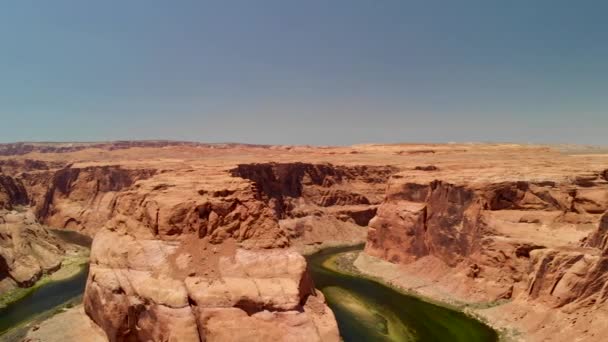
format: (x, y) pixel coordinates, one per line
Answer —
(499, 238)
(187, 257)
(195, 241)
(82, 199)
(27, 250)
(318, 203)
(216, 238)
(12, 192)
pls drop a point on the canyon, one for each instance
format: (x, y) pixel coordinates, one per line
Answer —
(203, 242)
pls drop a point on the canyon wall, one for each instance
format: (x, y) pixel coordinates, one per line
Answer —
(190, 255)
(319, 203)
(12, 192)
(27, 250)
(81, 199)
(196, 241)
(537, 241)
(199, 254)
(218, 240)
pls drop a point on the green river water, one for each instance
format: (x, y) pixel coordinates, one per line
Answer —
(369, 311)
(365, 309)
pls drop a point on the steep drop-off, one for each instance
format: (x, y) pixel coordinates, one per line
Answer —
(319, 203)
(27, 250)
(524, 241)
(82, 199)
(190, 256)
(196, 241)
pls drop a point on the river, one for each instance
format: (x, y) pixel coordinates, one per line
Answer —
(43, 299)
(367, 310)
(48, 296)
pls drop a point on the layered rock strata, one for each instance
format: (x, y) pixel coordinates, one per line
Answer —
(189, 234)
(82, 199)
(502, 239)
(188, 260)
(317, 203)
(27, 250)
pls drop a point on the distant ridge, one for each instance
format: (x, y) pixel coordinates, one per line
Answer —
(21, 148)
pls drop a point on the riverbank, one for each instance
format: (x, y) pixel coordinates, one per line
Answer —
(22, 308)
(71, 265)
(388, 313)
(21, 330)
(350, 263)
(63, 290)
(393, 275)
(307, 250)
(345, 263)
(69, 324)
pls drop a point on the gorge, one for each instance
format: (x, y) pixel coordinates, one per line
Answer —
(204, 242)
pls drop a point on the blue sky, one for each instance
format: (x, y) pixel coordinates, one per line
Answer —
(305, 72)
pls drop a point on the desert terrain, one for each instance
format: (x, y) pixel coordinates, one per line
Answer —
(203, 242)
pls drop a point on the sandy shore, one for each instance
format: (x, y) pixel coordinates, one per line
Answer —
(70, 325)
(71, 264)
(394, 275)
(515, 320)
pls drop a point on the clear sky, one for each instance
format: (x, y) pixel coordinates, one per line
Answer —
(305, 72)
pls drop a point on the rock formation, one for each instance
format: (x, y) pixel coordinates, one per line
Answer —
(497, 237)
(197, 241)
(12, 192)
(186, 259)
(217, 241)
(319, 202)
(27, 250)
(82, 199)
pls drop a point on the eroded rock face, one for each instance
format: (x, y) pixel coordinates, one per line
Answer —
(413, 223)
(500, 240)
(82, 199)
(319, 202)
(27, 250)
(572, 278)
(319, 183)
(188, 260)
(193, 238)
(599, 238)
(12, 192)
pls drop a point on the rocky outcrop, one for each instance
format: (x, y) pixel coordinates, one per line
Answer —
(572, 278)
(417, 220)
(319, 202)
(199, 261)
(27, 250)
(322, 184)
(493, 241)
(466, 223)
(12, 192)
(195, 241)
(82, 199)
(599, 238)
